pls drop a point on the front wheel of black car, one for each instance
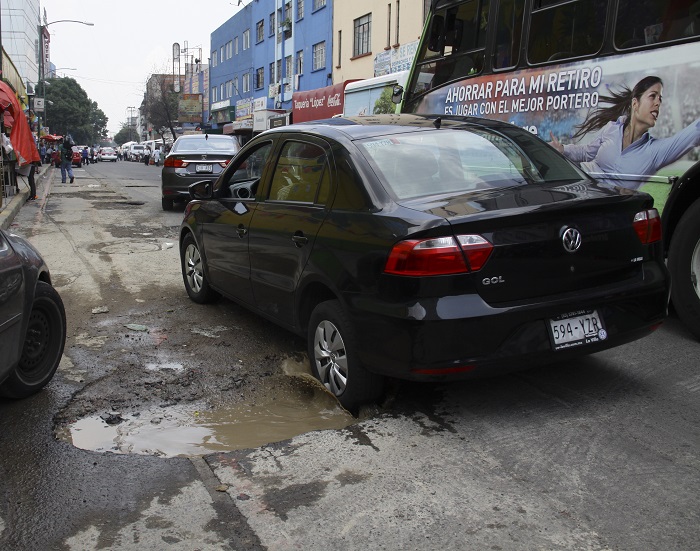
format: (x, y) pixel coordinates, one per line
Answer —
(43, 345)
(684, 265)
(193, 272)
(332, 349)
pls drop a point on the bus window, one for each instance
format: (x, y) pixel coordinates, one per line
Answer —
(509, 24)
(567, 30)
(456, 42)
(657, 22)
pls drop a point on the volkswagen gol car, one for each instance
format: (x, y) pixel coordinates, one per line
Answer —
(32, 320)
(194, 157)
(424, 249)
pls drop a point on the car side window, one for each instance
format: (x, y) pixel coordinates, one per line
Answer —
(243, 179)
(300, 174)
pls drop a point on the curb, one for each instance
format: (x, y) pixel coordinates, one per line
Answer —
(10, 210)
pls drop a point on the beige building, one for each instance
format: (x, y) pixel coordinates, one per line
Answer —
(375, 37)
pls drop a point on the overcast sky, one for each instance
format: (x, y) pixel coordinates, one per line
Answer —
(129, 41)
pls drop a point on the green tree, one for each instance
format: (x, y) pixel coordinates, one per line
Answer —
(160, 104)
(71, 111)
(126, 133)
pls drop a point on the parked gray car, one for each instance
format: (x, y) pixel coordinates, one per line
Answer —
(194, 157)
(32, 319)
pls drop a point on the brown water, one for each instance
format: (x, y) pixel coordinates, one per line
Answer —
(301, 406)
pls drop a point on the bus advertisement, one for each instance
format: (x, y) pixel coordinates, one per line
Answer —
(630, 118)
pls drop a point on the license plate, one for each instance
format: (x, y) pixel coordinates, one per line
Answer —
(577, 328)
(203, 168)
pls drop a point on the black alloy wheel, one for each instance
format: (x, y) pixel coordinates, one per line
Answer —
(684, 265)
(43, 345)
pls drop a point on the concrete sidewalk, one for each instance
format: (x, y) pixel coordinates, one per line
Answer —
(11, 205)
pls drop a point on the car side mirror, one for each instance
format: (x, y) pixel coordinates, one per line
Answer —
(201, 190)
(397, 94)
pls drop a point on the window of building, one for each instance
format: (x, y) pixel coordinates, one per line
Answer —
(288, 73)
(235, 86)
(229, 88)
(222, 53)
(319, 55)
(271, 25)
(272, 72)
(300, 9)
(235, 45)
(260, 31)
(229, 49)
(214, 58)
(340, 48)
(222, 91)
(299, 63)
(362, 43)
(246, 83)
(318, 4)
(396, 34)
(259, 78)
(388, 26)
(278, 69)
(246, 39)
(214, 94)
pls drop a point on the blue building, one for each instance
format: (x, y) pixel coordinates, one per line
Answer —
(265, 53)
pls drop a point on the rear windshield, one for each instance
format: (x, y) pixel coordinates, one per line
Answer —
(227, 144)
(451, 161)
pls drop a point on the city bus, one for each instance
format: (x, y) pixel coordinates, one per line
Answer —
(612, 84)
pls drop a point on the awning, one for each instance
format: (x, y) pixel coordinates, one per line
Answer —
(14, 118)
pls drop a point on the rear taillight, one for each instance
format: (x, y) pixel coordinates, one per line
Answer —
(224, 164)
(438, 256)
(647, 224)
(174, 162)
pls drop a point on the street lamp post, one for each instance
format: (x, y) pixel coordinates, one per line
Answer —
(44, 41)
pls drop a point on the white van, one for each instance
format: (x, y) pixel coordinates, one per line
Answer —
(372, 96)
(135, 152)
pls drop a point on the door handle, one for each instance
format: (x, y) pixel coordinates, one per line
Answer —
(299, 239)
(241, 231)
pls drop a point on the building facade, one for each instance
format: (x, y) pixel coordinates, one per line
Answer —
(266, 52)
(372, 38)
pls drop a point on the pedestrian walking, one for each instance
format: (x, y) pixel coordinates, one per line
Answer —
(67, 161)
(42, 152)
(84, 154)
(92, 155)
(48, 154)
(146, 156)
(156, 156)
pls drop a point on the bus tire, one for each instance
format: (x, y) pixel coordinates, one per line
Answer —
(684, 265)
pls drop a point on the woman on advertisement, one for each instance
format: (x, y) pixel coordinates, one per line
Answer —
(623, 147)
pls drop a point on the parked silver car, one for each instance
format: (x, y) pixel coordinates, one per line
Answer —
(194, 157)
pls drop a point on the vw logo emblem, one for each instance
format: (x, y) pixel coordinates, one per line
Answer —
(571, 239)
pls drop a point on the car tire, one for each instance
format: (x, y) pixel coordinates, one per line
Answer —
(193, 274)
(332, 349)
(684, 265)
(43, 345)
(167, 203)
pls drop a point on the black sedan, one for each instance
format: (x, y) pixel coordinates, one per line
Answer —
(32, 320)
(425, 249)
(194, 157)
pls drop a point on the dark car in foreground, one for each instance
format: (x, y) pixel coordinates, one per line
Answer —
(192, 158)
(424, 249)
(32, 320)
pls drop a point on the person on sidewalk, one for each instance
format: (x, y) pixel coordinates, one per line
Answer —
(67, 161)
(156, 156)
(28, 171)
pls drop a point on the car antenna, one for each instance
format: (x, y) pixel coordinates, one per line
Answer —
(437, 123)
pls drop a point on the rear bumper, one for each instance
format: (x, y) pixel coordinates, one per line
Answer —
(459, 337)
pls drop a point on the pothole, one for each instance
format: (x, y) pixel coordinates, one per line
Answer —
(190, 429)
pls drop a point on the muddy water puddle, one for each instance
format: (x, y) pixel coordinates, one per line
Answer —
(192, 429)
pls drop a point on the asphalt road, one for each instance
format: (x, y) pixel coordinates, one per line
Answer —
(600, 453)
